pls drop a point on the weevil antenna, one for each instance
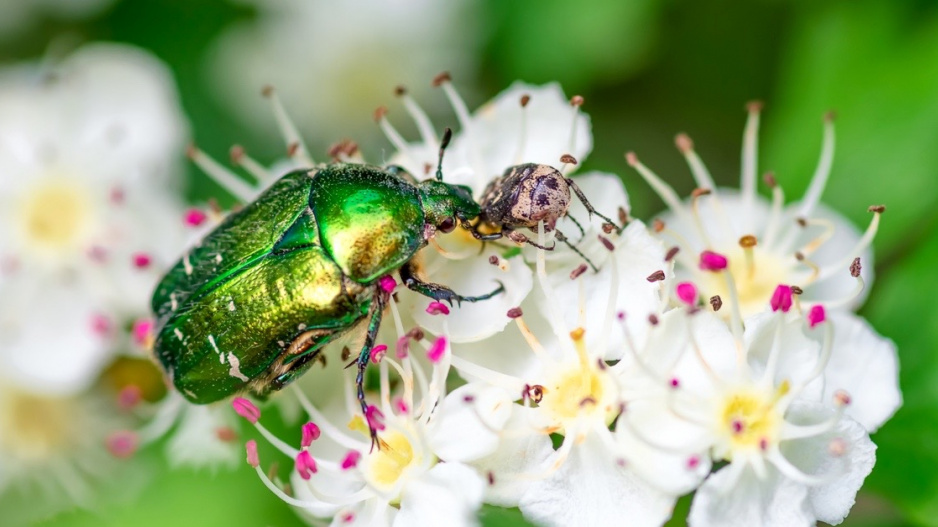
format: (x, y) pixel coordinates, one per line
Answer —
(447, 135)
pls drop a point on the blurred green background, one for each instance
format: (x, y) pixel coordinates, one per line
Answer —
(647, 69)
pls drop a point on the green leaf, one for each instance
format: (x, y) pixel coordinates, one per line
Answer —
(874, 63)
(903, 307)
(492, 516)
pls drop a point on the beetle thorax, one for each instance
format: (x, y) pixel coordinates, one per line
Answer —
(543, 196)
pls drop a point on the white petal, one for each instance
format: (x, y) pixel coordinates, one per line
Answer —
(448, 494)
(196, 441)
(866, 366)
(832, 501)
(466, 426)
(797, 353)
(666, 451)
(475, 276)
(732, 499)
(48, 342)
(520, 458)
(592, 489)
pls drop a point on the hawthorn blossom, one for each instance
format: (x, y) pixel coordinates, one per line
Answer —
(567, 388)
(416, 473)
(88, 157)
(758, 398)
(762, 243)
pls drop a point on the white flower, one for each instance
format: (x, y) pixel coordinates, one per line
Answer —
(86, 154)
(52, 451)
(757, 400)
(763, 243)
(415, 475)
(344, 58)
(567, 388)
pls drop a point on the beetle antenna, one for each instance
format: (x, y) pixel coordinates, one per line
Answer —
(447, 135)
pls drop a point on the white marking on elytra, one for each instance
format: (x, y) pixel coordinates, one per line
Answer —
(235, 369)
(211, 340)
(189, 393)
(281, 343)
(217, 257)
(301, 326)
(231, 306)
(178, 333)
(187, 264)
(173, 303)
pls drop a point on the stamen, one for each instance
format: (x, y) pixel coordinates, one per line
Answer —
(781, 299)
(861, 245)
(221, 175)
(716, 302)
(252, 458)
(374, 418)
(141, 260)
(656, 276)
(816, 316)
(325, 425)
(785, 467)
(567, 160)
(351, 459)
(576, 101)
(240, 158)
(305, 465)
(687, 293)
(377, 353)
(712, 261)
(750, 156)
(523, 136)
(437, 350)
(122, 444)
(129, 397)
(664, 191)
(246, 409)
(437, 308)
(747, 242)
(296, 149)
(823, 170)
(515, 312)
(529, 337)
(194, 217)
(775, 215)
(424, 125)
(443, 80)
(392, 134)
(557, 323)
(701, 175)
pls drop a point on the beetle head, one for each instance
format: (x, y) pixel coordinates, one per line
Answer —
(446, 205)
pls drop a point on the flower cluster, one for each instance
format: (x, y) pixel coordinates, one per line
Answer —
(714, 352)
(87, 167)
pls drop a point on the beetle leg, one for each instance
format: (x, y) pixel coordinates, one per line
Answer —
(560, 236)
(578, 226)
(589, 207)
(377, 309)
(517, 237)
(436, 291)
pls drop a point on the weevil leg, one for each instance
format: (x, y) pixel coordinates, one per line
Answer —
(589, 207)
(436, 291)
(517, 237)
(560, 236)
(578, 226)
(377, 309)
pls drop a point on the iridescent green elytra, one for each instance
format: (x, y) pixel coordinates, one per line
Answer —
(250, 306)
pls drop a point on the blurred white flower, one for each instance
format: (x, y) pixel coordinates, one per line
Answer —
(88, 217)
(87, 157)
(334, 62)
(763, 243)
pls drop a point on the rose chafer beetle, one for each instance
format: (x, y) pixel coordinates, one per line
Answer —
(253, 304)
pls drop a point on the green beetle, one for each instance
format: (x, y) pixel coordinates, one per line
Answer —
(251, 305)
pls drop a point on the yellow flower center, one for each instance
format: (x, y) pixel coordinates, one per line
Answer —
(756, 273)
(748, 420)
(34, 427)
(580, 390)
(56, 216)
(386, 466)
